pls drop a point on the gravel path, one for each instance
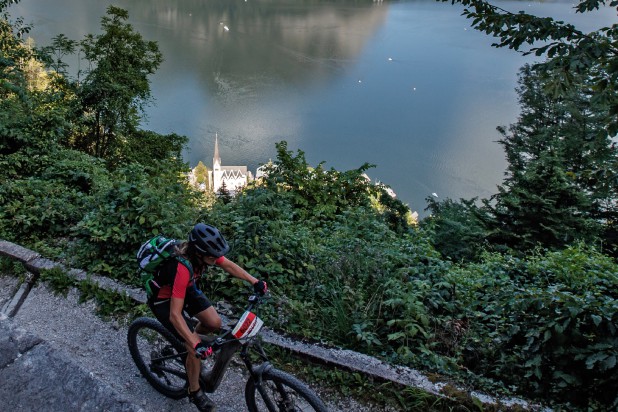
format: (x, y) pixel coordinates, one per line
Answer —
(100, 347)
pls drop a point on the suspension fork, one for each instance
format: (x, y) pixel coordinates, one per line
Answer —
(257, 372)
(244, 355)
(256, 375)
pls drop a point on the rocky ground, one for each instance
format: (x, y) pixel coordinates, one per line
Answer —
(98, 349)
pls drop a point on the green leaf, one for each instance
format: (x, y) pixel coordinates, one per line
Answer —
(596, 319)
(597, 357)
(396, 336)
(608, 363)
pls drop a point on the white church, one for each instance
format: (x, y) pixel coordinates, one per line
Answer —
(234, 178)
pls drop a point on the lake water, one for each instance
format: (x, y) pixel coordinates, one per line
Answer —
(407, 86)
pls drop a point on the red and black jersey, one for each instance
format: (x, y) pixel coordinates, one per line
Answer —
(182, 281)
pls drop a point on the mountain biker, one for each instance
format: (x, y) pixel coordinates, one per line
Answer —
(181, 299)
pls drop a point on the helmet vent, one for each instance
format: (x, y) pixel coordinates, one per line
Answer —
(209, 240)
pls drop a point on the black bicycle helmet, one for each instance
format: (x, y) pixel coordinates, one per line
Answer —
(208, 240)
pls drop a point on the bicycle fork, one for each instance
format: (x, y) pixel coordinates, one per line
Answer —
(256, 375)
(283, 401)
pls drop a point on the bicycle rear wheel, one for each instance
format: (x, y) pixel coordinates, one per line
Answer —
(282, 392)
(159, 356)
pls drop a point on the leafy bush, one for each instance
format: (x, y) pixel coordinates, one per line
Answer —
(77, 170)
(455, 229)
(140, 203)
(47, 192)
(35, 208)
(547, 324)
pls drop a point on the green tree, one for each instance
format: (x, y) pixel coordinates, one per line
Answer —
(201, 174)
(317, 192)
(14, 96)
(561, 174)
(53, 55)
(570, 52)
(223, 194)
(116, 89)
(456, 229)
(540, 205)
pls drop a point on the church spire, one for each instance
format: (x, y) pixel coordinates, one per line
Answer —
(216, 160)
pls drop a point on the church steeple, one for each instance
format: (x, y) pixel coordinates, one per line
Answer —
(216, 160)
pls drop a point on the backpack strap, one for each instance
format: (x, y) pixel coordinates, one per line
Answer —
(167, 271)
(185, 262)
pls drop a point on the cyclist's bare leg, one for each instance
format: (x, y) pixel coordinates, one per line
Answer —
(193, 366)
(210, 321)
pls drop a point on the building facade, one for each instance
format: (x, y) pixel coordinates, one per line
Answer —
(232, 178)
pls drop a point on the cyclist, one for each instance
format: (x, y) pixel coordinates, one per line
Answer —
(181, 299)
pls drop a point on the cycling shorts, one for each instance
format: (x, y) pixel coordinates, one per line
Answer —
(195, 302)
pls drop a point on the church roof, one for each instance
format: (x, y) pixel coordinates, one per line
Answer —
(233, 174)
(240, 169)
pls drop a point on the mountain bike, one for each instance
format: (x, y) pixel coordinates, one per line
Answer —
(160, 357)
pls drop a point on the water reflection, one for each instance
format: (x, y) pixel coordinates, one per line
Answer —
(317, 74)
(242, 47)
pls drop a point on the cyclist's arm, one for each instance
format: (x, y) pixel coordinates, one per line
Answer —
(176, 305)
(177, 301)
(235, 270)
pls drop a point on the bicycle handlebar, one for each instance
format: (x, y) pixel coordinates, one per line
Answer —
(256, 300)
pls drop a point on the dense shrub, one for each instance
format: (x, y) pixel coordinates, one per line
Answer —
(35, 208)
(456, 229)
(139, 203)
(76, 170)
(546, 324)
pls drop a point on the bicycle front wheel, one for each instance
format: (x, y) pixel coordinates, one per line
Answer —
(159, 356)
(281, 392)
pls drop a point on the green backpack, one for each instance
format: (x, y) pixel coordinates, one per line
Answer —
(153, 258)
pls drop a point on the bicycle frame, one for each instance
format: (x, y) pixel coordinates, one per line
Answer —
(211, 380)
(228, 346)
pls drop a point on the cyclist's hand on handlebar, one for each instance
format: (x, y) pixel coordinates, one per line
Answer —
(202, 351)
(260, 287)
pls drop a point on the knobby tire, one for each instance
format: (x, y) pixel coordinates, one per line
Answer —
(153, 348)
(284, 391)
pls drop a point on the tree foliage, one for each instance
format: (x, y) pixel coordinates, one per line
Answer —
(457, 229)
(319, 194)
(570, 52)
(54, 54)
(201, 175)
(13, 86)
(116, 88)
(562, 175)
(315, 190)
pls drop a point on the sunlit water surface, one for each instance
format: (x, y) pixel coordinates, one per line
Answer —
(407, 86)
